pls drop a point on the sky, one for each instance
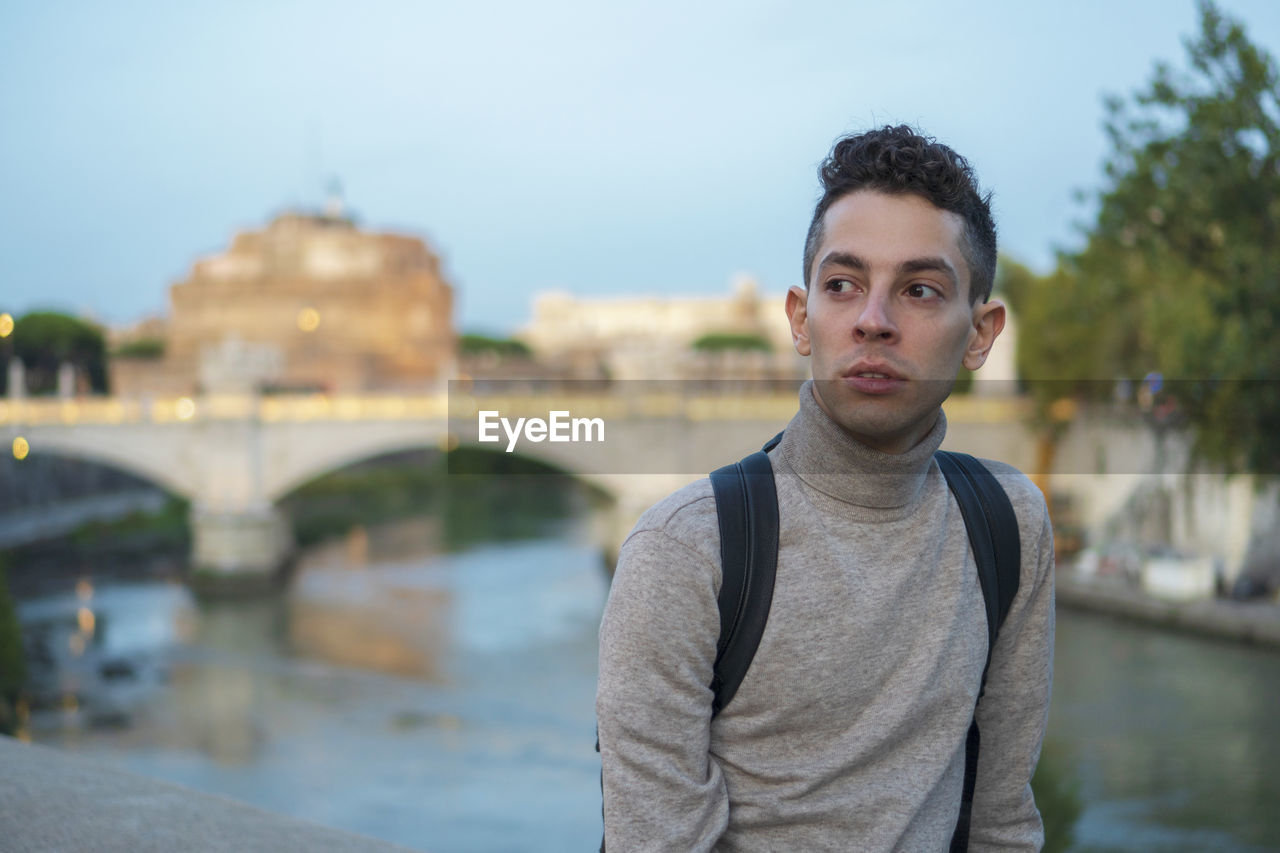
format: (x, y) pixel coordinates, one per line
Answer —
(604, 149)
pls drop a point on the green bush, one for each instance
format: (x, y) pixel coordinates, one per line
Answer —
(475, 344)
(44, 340)
(143, 348)
(721, 341)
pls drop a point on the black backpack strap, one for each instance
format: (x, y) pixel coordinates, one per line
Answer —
(993, 535)
(747, 511)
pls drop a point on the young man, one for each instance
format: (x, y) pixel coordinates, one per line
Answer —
(848, 731)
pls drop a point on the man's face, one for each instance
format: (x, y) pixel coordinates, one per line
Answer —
(887, 318)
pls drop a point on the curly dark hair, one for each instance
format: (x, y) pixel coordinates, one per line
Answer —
(898, 160)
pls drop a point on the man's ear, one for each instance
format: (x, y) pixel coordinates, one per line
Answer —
(988, 321)
(798, 315)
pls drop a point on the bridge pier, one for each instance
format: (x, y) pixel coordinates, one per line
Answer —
(239, 553)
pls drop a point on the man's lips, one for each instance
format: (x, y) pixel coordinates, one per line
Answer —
(871, 378)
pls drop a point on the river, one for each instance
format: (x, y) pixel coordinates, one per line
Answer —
(443, 699)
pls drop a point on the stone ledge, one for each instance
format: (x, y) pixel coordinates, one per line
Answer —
(1255, 622)
(52, 802)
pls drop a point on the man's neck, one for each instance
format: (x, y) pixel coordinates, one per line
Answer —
(836, 462)
(895, 443)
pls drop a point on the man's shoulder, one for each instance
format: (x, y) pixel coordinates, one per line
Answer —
(1035, 530)
(686, 516)
(1026, 497)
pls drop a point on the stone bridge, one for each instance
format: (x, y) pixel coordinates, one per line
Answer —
(233, 457)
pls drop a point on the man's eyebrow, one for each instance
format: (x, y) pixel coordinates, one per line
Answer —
(926, 264)
(844, 259)
(935, 264)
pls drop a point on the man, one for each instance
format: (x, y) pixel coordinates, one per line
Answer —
(848, 731)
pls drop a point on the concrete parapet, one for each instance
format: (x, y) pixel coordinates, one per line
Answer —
(51, 801)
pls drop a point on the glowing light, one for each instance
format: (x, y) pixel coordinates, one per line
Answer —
(84, 616)
(20, 448)
(185, 408)
(6, 325)
(308, 319)
(84, 589)
(1062, 410)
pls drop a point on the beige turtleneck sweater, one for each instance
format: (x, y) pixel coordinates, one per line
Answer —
(848, 731)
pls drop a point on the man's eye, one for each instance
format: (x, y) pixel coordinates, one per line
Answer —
(923, 291)
(840, 285)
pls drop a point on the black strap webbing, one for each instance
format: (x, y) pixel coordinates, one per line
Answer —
(993, 535)
(993, 532)
(747, 510)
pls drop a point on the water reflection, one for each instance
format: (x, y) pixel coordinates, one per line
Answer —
(95, 657)
(340, 612)
(1175, 738)
(441, 700)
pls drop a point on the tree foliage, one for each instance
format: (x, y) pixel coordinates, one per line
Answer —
(477, 344)
(1180, 272)
(739, 341)
(44, 340)
(148, 349)
(1059, 356)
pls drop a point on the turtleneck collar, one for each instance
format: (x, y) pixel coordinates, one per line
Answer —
(835, 463)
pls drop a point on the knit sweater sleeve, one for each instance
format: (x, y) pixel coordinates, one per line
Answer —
(662, 788)
(1014, 709)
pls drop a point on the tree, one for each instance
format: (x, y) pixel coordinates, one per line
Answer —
(736, 341)
(44, 340)
(478, 344)
(1057, 355)
(1180, 273)
(148, 349)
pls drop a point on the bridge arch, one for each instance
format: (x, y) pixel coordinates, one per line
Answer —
(302, 456)
(122, 456)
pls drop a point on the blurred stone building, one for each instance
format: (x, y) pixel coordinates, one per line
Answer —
(665, 337)
(658, 337)
(310, 303)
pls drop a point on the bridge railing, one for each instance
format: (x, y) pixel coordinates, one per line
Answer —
(295, 408)
(291, 408)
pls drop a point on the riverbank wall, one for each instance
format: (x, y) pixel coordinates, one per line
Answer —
(1253, 622)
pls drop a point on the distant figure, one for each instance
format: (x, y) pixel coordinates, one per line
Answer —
(859, 713)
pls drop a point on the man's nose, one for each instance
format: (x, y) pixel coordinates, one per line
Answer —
(874, 321)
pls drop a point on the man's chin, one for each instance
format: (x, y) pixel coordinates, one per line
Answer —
(890, 422)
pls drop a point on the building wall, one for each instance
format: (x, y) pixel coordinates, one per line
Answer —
(308, 302)
(651, 337)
